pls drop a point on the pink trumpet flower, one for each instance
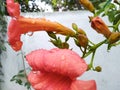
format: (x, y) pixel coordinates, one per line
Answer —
(57, 69)
(21, 25)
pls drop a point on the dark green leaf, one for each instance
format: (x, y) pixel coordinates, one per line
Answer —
(52, 35)
(19, 81)
(67, 38)
(116, 19)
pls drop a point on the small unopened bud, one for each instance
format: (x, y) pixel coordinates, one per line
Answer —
(80, 31)
(98, 69)
(88, 5)
(99, 25)
(65, 45)
(74, 26)
(83, 40)
(114, 37)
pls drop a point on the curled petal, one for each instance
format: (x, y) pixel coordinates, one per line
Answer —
(48, 81)
(51, 81)
(13, 8)
(60, 61)
(83, 85)
(14, 35)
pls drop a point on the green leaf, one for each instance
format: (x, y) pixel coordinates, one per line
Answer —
(111, 15)
(67, 38)
(116, 19)
(21, 75)
(77, 42)
(21, 71)
(19, 81)
(27, 84)
(52, 35)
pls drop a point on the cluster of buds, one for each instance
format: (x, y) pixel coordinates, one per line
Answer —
(81, 37)
(98, 24)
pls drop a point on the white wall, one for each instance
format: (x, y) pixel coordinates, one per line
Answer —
(108, 79)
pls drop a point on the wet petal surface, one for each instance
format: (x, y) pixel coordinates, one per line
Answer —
(62, 61)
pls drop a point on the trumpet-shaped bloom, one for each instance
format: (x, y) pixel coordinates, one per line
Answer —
(21, 25)
(57, 69)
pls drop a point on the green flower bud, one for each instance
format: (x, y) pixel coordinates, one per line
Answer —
(98, 69)
(74, 26)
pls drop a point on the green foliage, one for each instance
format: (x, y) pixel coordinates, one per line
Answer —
(56, 41)
(25, 6)
(20, 79)
(97, 2)
(2, 8)
(3, 31)
(65, 5)
(3, 27)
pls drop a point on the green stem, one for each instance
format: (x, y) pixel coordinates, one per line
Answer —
(84, 52)
(23, 64)
(92, 60)
(24, 67)
(116, 25)
(91, 42)
(93, 48)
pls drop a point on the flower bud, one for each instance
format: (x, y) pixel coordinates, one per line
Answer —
(74, 26)
(88, 5)
(98, 69)
(65, 45)
(114, 37)
(80, 31)
(83, 40)
(99, 25)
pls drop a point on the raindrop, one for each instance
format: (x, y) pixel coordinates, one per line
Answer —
(30, 33)
(34, 72)
(62, 57)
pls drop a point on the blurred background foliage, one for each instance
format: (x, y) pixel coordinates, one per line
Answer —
(3, 29)
(65, 5)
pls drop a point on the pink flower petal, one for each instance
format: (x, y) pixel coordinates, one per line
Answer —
(14, 35)
(61, 61)
(49, 81)
(57, 69)
(83, 85)
(13, 8)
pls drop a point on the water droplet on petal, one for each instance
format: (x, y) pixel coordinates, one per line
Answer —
(34, 72)
(30, 33)
(62, 57)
